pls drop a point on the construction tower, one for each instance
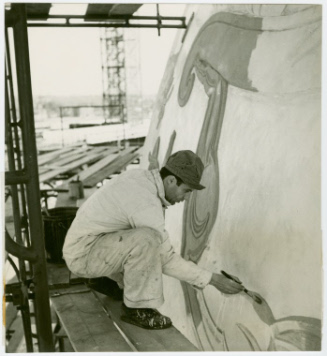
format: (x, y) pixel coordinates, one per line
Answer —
(121, 74)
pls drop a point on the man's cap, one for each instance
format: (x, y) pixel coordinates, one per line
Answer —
(187, 166)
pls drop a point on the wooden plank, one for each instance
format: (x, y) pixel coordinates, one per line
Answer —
(107, 159)
(88, 327)
(44, 158)
(69, 167)
(70, 157)
(115, 165)
(103, 148)
(63, 161)
(61, 335)
(95, 168)
(84, 316)
(66, 157)
(68, 347)
(44, 169)
(142, 339)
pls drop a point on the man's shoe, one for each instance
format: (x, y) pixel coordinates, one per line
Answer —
(106, 286)
(146, 318)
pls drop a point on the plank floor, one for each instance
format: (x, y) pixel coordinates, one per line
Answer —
(88, 327)
(142, 339)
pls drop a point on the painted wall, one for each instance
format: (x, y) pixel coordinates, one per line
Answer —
(243, 91)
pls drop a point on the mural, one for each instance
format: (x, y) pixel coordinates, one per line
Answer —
(248, 77)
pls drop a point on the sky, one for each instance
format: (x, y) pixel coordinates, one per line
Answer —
(67, 61)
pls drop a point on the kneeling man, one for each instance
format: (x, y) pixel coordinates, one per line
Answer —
(119, 232)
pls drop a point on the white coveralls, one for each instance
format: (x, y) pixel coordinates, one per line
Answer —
(119, 232)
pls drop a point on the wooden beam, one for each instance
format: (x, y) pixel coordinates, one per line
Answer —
(86, 324)
(44, 158)
(92, 175)
(117, 164)
(142, 339)
(81, 160)
(70, 156)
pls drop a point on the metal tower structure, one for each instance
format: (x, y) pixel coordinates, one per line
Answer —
(113, 74)
(121, 78)
(134, 102)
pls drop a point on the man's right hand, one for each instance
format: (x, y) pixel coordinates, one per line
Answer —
(225, 285)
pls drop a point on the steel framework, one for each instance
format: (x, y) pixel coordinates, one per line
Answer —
(22, 182)
(120, 74)
(113, 74)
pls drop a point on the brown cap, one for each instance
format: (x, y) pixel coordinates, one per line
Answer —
(188, 167)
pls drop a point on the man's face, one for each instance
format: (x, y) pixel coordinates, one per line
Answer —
(176, 193)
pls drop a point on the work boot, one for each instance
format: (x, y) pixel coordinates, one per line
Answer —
(145, 318)
(106, 286)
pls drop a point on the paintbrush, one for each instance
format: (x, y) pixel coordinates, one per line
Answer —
(248, 292)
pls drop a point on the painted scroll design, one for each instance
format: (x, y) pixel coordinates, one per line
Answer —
(216, 74)
(167, 88)
(153, 156)
(200, 211)
(170, 147)
(293, 333)
(165, 97)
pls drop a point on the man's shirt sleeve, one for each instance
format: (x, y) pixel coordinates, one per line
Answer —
(176, 266)
(172, 264)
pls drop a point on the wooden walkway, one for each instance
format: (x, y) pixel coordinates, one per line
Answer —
(92, 323)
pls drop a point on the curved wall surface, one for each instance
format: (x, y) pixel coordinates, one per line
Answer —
(243, 90)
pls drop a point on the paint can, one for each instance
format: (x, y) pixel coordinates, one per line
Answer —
(76, 190)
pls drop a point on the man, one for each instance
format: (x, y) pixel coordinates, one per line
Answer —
(119, 232)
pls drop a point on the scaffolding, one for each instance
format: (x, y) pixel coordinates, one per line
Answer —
(24, 244)
(113, 74)
(121, 79)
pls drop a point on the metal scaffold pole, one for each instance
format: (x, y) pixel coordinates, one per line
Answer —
(34, 284)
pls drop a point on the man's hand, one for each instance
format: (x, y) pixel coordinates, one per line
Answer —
(225, 285)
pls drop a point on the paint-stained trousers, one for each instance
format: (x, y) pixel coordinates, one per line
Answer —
(131, 258)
